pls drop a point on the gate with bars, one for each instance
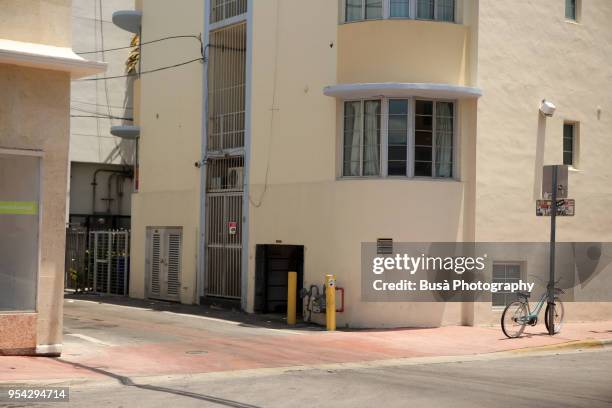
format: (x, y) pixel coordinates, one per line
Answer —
(76, 272)
(224, 227)
(109, 261)
(227, 57)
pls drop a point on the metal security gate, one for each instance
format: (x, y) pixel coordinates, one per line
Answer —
(109, 256)
(224, 227)
(76, 271)
(226, 84)
(163, 261)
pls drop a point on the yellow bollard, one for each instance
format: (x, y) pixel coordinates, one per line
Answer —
(330, 301)
(291, 297)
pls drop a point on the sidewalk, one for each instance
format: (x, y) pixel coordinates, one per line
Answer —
(103, 339)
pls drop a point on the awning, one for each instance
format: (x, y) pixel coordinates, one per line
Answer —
(401, 90)
(48, 57)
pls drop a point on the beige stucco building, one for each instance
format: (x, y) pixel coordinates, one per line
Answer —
(36, 66)
(332, 123)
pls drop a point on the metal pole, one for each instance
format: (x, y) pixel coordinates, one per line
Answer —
(553, 231)
(291, 298)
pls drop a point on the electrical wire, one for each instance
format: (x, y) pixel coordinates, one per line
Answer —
(273, 109)
(172, 37)
(76, 101)
(80, 110)
(144, 72)
(101, 117)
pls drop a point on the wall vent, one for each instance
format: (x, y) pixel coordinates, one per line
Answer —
(384, 246)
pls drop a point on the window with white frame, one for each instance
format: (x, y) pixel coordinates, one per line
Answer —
(505, 272)
(415, 139)
(570, 144)
(439, 10)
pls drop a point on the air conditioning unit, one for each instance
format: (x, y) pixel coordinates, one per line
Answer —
(235, 178)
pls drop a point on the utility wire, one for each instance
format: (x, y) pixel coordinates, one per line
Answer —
(78, 102)
(197, 37)
(144, 72)
(101, 117)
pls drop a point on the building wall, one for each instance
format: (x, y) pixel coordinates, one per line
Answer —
(90, 138)
(170, 119)
(36, 21)
(92, 102)
(541, 55)
(303, 202)
(34, 110)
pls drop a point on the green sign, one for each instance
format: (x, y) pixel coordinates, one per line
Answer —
(18, 207)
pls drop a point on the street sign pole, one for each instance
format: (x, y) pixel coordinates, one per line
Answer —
(553, 233)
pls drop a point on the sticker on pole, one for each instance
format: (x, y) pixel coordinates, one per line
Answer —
(565, 208)
(232, 227)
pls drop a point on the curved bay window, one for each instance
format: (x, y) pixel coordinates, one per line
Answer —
(409, 137)
(437, 10)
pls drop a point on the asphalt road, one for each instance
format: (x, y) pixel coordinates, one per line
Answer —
(581, 379)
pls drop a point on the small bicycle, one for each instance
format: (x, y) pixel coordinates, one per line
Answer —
(518, 314)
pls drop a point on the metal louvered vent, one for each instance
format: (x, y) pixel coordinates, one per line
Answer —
(164, 262)
(174, 264)
(155, 264)
(384, 246)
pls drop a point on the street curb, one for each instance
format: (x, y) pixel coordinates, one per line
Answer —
(570, 345)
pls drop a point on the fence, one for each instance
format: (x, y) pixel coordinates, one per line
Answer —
(98, 261)
(109, 261)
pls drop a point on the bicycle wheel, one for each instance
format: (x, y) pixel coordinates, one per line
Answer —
(559, 314)
(514, 319)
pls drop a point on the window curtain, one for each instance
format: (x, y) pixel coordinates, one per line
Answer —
(373, 9)
(352, 138)
(400, 8)
(371, 139)
(444, 139)
(353, 10)
(425, 9)
(445, 10)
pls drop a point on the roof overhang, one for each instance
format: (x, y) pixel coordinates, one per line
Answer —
(48, 57)
(401, 90)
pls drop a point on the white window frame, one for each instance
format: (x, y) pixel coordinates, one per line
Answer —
(384, 139)
(386, 12)
(575, 143)
(522, 269)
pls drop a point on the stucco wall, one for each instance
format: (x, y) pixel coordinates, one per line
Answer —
(36, 21)
(34, 114)
(526, 54)
(304, 203)
(170, 119)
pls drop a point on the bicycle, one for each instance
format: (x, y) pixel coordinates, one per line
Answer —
(518, 314)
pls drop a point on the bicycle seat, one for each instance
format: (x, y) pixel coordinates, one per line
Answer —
(523, 294)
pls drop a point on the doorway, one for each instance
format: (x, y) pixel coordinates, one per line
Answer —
(273, 262)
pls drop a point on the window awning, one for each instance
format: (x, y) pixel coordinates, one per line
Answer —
(48, 57)
(401, 90)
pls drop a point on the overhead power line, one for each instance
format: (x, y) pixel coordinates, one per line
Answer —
(197, 37)
(101, 117)
(144, 72)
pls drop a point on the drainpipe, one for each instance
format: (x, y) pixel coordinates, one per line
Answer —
(94, 184)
